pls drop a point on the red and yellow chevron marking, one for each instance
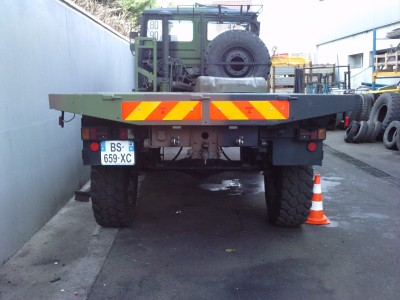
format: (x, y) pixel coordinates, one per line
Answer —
(161, 111)
(249, 110)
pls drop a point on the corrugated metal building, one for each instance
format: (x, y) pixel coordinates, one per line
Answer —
(348, 37)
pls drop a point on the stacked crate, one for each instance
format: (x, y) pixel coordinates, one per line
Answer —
(282, 78)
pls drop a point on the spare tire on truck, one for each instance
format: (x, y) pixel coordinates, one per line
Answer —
(237, 53)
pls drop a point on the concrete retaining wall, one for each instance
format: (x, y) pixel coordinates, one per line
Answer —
(47, 47)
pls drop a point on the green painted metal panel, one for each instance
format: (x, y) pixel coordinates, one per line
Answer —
(151, 44)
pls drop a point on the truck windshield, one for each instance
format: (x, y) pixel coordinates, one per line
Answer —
(179, 30)
(216, 28)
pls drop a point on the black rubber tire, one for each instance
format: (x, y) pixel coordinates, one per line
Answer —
(390, 135)
(386, 109)
(351, 131)
(355, 114)
(237, 46)
(371, 98)
(113, 195)
(398, 141)
(371, 127)
(377, 129)
(368, 101)
(288, 194)
(361, 133)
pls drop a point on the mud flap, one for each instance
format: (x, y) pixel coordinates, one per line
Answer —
(295, 153)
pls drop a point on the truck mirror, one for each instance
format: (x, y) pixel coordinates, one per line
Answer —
(132, 36)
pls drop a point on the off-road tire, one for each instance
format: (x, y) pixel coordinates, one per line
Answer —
(390, 135)
(361, 135)
(368, 101)
(113, 195)
(372, 98)
(351, 131)
(398, 141)
(377, 129)
(288, 194)
(371, 127)
(355, 114)
(235, 46)
(386, 109)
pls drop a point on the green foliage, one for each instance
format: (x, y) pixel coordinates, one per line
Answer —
(134, 8)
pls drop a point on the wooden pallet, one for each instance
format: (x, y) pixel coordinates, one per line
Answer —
(282, 79)
(387, 62)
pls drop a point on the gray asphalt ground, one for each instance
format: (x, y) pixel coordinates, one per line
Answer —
(210, 239)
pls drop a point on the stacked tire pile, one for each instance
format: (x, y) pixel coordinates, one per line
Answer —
(373, 120)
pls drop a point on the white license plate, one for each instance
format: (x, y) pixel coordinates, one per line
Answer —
(118, 153)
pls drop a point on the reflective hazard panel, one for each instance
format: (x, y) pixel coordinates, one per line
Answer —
(240, 110)
(249, 110)
(162, 111)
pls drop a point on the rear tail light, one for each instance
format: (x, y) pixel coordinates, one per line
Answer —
(312, 146)
(314, 134)
(126, 134)
(94, 146)
(123, 133)
(321, 134)
(94, 133)
(105, 133)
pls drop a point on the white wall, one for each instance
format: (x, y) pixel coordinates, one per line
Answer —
(337, 52)
(47, 47)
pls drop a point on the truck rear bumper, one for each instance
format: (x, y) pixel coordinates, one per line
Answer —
(244, 109)
(205, 148)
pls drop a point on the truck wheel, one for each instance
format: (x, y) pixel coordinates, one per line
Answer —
(390, 135)
(288, 194)
(237, 46)
(386, 109)
(113, 194)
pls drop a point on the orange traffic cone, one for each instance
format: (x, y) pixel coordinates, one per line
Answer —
(317, 216)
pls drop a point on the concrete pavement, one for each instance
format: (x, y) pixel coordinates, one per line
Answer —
(73, 258)
(62, 260)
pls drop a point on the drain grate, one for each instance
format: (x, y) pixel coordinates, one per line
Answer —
(393, 181)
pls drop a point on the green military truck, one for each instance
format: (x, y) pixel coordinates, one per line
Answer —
(201, 87)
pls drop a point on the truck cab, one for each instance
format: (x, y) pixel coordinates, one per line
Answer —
(202, 41)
